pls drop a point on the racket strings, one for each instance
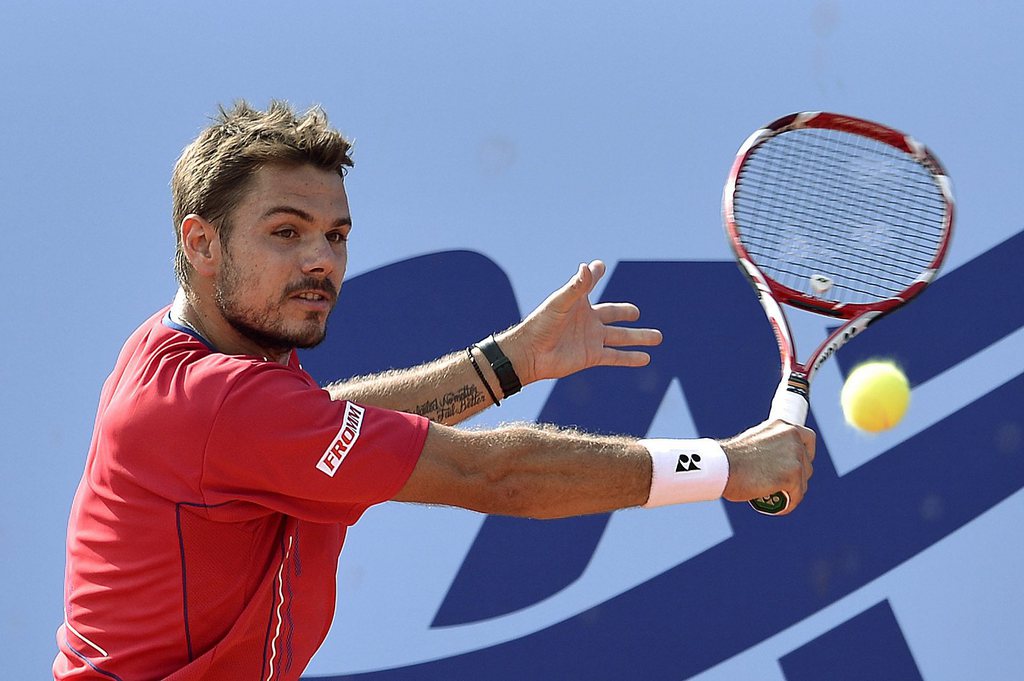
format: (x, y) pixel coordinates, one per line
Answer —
(834, 195)
(866, 215)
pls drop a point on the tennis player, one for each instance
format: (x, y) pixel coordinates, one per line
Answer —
(205, 533)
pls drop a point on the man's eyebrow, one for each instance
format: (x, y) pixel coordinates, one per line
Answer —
(303, 215)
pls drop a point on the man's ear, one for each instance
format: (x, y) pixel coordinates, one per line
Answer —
(200, 241)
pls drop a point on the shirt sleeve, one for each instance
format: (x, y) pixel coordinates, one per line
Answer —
(280, 442)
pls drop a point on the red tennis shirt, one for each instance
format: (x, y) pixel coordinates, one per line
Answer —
(204, 536)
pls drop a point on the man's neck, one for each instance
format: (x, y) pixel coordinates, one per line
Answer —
(206, 320)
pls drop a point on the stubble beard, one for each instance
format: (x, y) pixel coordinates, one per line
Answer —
(265, 327)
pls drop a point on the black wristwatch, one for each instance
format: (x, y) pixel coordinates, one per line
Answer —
(501, 365)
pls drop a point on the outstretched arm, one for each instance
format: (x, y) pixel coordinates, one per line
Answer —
(547, 472)
(565, 334)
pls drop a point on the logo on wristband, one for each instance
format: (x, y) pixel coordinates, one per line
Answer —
(687, 463)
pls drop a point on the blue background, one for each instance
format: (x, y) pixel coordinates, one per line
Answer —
(497, 146)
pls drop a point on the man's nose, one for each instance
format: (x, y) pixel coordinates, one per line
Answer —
(319, 257)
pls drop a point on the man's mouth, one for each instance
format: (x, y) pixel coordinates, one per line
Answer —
(321, 301)
(312, 295)
(313, 291)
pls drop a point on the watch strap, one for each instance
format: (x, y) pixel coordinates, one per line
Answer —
(501, 365)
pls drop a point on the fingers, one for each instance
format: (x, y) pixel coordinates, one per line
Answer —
(597, 270)
(611, 313)
(579, 286)
(618, 337)
(796, 496)
(809, 439)
(623, 336)
(610, 357)
(797, 488)
(589, 274)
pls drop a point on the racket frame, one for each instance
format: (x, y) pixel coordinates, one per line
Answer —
(791, 400)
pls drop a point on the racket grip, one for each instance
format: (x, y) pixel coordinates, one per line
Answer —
(789, 406)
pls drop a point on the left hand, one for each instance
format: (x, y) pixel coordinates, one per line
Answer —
(566, 333)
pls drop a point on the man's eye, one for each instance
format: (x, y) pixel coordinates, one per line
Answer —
(286, 232)
(337, 237)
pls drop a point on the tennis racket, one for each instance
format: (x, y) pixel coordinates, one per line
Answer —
(838, 216)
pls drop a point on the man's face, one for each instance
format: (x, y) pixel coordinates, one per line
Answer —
(285, 258)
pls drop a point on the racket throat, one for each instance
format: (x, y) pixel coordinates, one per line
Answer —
(797, 383)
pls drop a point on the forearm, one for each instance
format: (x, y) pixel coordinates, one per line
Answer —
(530, 471)
(552, 473)
(447, 390)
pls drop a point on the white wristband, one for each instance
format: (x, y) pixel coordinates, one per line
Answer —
(686, 470)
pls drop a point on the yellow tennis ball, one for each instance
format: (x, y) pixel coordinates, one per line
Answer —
(875, 396)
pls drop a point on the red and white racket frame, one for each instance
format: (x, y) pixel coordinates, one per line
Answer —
(790, 403)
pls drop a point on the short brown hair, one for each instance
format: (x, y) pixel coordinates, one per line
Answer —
(214, 171)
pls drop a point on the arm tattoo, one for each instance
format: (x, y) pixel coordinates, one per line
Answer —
(450, 404)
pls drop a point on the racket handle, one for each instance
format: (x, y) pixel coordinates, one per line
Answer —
(788, 406)
(791, 407)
